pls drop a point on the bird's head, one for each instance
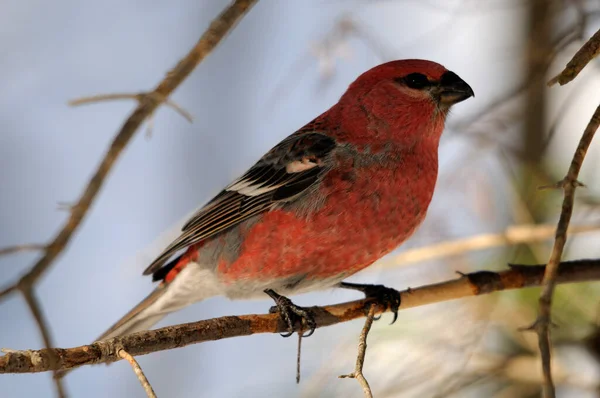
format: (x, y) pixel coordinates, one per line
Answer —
(414, 81)
(403, 98)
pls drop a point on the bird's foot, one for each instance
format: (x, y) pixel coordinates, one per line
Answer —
(291, 313)
(384, 296)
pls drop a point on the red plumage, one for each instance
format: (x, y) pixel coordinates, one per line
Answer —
(328, 201)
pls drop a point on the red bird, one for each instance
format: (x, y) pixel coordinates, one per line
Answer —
(326, 202)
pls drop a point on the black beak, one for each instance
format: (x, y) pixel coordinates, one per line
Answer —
(452, 89)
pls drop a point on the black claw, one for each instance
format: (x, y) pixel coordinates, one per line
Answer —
(290, 313)
(385, 296)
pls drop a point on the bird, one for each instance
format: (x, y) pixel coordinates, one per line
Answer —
(326, 202)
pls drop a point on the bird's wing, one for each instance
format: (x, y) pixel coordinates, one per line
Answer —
(280, 176)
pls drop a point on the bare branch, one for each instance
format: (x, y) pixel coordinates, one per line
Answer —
(589, 51)
(34, 306)
(106, 351)
(360, 358)
(138, 372)
(569, 184)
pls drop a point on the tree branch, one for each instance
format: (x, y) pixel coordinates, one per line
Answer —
(147, 104)
(360, 358)
(569, 185)
(106, 351)
(40, 320)
(589, 51)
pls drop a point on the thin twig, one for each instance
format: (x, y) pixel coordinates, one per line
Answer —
(570, 183)
(104, 97)
(137, 97)
(138, 372)
(142, 343)
(147, 104)
(589, 51)
(513, 235)
(7, 290)
(21, 248)
(38, 316)
(299, 355)
(360, 358)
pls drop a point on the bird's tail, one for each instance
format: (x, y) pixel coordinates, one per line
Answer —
(142, 317)
(187, 283)
(191, 284)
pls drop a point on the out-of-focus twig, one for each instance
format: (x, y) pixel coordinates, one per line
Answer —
(360, 358)
(35, 308)
(147, 104)
(137, 97)
(137, 369)
(589, 51)
(105, 351)
(513, 235)
(21, 248)
(501, 111)
(539, 52)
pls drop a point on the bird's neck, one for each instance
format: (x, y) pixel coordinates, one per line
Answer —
(384, 125)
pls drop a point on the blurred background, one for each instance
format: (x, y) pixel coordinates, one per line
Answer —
(285, 63)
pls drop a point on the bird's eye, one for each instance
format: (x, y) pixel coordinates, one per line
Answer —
(416, 80)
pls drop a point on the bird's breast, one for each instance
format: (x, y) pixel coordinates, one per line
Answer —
(379, 200)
